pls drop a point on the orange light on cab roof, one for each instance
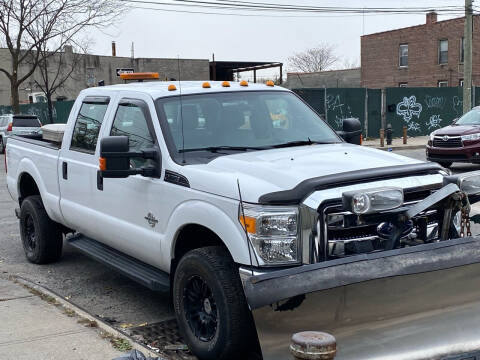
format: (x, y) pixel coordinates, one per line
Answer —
(206, 85)
(172, 87)
(102, 162)
(244, 83)
(249, 223)
(139, 76)
(270, 83)
(225, 84)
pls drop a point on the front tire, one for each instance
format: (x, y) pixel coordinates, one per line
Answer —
(210, 305)
(42, 238)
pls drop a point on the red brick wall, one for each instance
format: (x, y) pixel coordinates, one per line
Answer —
(380, 60)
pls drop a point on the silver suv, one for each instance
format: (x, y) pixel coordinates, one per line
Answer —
(25, 125)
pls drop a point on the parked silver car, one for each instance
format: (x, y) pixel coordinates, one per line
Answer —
(20, 124)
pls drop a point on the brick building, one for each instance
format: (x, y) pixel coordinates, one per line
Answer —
(425, 55)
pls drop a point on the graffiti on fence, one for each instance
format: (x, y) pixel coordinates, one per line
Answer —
(458, 105)
(339, 109)
(434, 102)
(409, 108)
(434, 122)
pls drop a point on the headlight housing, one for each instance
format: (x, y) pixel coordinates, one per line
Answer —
(432, 135)
(274, 233)
(469, 182)
(471, 137)
(372, 200)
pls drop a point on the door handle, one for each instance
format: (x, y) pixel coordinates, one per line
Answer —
(64, 170)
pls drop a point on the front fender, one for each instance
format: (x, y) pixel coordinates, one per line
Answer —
(222, 221)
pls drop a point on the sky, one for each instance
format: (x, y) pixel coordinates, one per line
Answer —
(254, 38)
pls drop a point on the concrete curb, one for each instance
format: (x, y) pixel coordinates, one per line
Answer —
(404, 147)
(84, 314)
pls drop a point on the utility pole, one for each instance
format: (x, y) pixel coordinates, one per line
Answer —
(467, 61)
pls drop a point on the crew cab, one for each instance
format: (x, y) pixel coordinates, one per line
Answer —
(259, 224)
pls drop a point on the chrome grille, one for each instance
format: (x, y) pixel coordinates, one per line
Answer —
(447, 141)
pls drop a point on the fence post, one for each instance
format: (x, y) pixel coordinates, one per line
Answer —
(382, 137)
(384, 108)
(313, 345)
(366, 113)
(325, 104)
(404, 135)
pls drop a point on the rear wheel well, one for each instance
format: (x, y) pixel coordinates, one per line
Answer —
(27, 187)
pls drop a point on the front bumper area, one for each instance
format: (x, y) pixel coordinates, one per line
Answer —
(466, 153)
(412, 303)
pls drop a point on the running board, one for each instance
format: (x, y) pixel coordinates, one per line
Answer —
(147, 275)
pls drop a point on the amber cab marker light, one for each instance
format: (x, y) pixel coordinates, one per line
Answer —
(172, 87)
(270, 83)
(225, 84)
(244, 83)
(206, 85)
(102, 163)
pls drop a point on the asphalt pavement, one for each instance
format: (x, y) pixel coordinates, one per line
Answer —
(90, 285)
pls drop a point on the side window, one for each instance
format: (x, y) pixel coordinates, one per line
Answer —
(87, 126)
(131, 120)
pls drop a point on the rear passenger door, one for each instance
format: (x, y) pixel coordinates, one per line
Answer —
(78, 165)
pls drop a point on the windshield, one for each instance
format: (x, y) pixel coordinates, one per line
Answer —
(470, 118)
(239, 120)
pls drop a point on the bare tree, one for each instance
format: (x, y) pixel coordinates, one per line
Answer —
(27, 25)
(319, 58)
(55, 68)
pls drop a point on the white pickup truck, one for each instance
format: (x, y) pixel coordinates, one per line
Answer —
(238, 198)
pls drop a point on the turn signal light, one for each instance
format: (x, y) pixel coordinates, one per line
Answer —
(244, 83)
(206, 85)
(249, 224)
(102, 162)
(172, 87)
(270, 83)
(225, 84)
(10, 126)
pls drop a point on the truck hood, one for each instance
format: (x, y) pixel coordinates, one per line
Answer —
(457, 130)
(261, 172)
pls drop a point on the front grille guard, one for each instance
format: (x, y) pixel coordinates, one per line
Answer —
(431, 218)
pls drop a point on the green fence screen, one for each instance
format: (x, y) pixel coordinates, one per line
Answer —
(61, 110)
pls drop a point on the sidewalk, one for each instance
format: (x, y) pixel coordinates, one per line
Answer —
(418, 142)
(33, 328)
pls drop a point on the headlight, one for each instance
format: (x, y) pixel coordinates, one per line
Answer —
(372, 200)
(432, 135)
(471, 137)
(273, 232)
(469, 182)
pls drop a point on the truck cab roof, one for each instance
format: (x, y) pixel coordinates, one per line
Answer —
(158, 89)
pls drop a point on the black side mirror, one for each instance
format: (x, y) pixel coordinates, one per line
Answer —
(115, 159)
(352, 129)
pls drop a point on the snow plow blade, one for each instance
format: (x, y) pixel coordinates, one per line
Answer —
(413, 303)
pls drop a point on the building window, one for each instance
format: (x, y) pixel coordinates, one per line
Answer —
(403, 55)
(462, 49)
(460, 82)
(402, 84)
(443, 51)
(442, 83)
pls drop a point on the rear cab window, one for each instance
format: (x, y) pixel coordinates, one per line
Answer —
(26, 121)
(88, 123)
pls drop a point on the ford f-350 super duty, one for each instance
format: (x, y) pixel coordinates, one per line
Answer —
(259, 219)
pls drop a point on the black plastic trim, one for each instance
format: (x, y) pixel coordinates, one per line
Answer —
(306, 187)
(175, 178)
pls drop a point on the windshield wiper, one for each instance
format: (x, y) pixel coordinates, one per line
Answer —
(224, 147)
(299, 143)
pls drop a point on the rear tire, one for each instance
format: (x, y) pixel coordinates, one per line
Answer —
(446, 164)
(42, 238)
(210, 305)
